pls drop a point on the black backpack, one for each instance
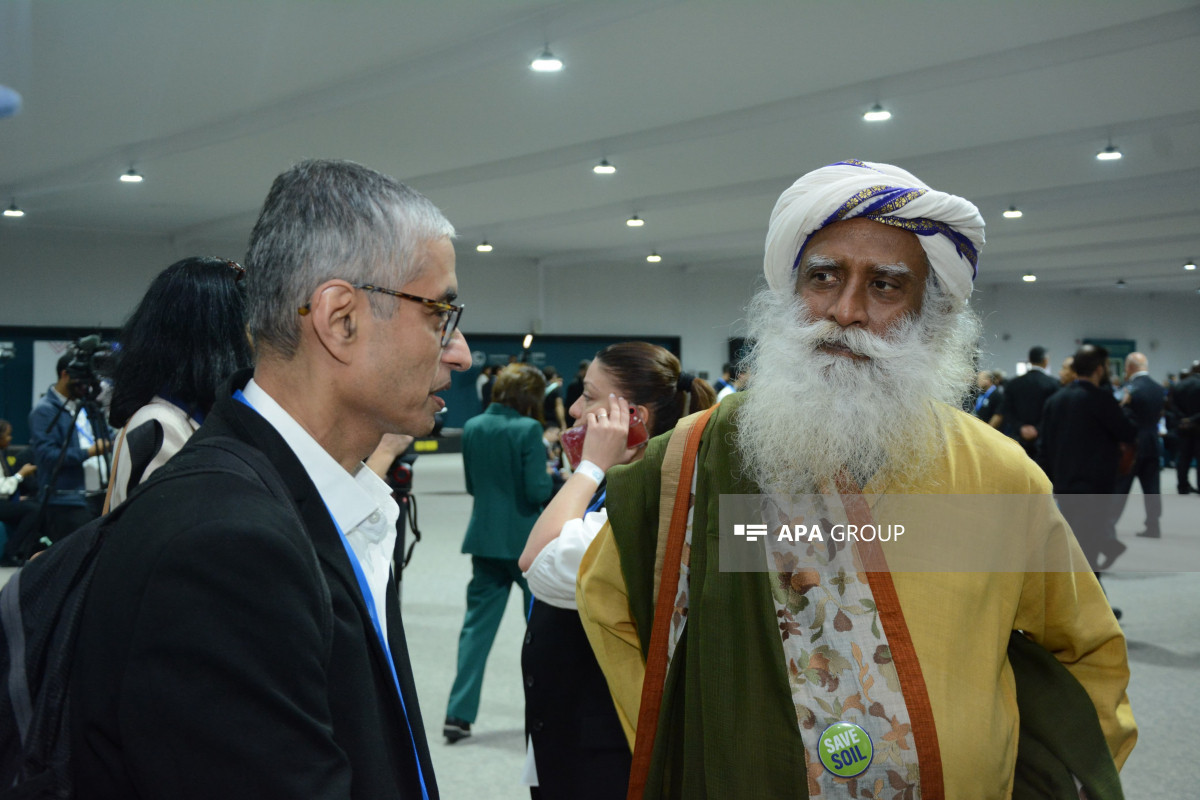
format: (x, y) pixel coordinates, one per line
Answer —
(40, 610)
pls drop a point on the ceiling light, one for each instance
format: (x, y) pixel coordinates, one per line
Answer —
(483, 247)
(635, 221)
(1029, 277)
(528, 340)
(546, 62)
(1110, 153)
(13, 211)
(133, 176)
(1120, 283)
(654, 258)
(1190, 265)
(604, 168)
(1013, 213)
(877, 113)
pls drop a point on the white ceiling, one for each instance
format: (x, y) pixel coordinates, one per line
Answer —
(708, 108)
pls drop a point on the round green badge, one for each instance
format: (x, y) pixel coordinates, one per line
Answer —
(846, 749)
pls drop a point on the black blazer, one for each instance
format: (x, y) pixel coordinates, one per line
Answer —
(1024, 398)
(1081, 428)
(1185, 399)
(1145, 408)
(212, 662)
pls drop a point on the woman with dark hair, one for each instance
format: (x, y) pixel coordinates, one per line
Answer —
(186, 336)
(575, 736)
(505, 465)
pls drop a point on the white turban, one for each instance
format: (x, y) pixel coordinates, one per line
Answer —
(949, 227)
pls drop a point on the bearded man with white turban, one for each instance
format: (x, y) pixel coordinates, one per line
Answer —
(758, 681)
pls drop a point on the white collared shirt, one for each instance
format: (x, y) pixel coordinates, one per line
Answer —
(361, 504)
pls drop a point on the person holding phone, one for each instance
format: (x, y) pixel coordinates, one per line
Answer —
(577, 748)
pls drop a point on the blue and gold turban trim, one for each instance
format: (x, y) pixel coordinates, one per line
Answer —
(951, 227)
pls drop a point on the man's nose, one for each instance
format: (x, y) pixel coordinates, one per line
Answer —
(849, 308)
(456, 354)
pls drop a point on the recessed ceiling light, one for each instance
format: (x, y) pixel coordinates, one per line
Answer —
(133, 176)
(483, 247)
(546, 62)
(13, 211)
(635, 221)
(877, 113)
(604, 168)
(1029, 277)
(1110, 153)
(1012, 212)
(1190, 265)
(654, 258)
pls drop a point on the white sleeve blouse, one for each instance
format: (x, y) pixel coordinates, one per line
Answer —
(554, 571)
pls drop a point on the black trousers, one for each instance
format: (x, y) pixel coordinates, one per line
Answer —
(578, 744)
(1146, 470)
(18, 517)
(1189, 448)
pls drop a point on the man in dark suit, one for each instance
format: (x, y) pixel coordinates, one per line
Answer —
(1143, 405)
(1185, 400)
(1025, 397)
(1082, 429)
(241, 643)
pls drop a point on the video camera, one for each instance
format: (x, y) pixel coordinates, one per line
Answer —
(91, 359)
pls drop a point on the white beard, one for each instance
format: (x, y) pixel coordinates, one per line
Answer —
(809, 414)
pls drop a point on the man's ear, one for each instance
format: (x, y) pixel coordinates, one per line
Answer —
(334, 314)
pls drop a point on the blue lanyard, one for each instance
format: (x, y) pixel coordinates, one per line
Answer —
(368, 601)
(598, 502)
(980, 400)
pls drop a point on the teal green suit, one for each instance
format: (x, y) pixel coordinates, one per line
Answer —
(505, 464)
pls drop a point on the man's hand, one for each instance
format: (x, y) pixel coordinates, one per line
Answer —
(1029, 433)
(27, 470)
(100, 446)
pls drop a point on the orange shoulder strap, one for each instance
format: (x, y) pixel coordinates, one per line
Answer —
(666, 579)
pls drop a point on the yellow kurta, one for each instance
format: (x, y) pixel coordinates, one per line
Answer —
(959, 622)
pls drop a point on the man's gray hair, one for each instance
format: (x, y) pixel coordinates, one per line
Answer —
(332, 219)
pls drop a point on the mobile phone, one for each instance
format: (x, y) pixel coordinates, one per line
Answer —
(572, 440)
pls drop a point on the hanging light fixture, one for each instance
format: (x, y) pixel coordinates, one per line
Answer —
(654, 258)
(1110, 153)
(483, 247)
(604, 168)
(13, 211)
(1120, 283)
(877, 113)
(132, 176)
(635, 221)
(546, 62)
(1029, 277)
(1190, 265)
(1012, 212)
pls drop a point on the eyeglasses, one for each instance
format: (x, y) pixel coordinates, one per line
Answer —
(239, 270)
(449, 312)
